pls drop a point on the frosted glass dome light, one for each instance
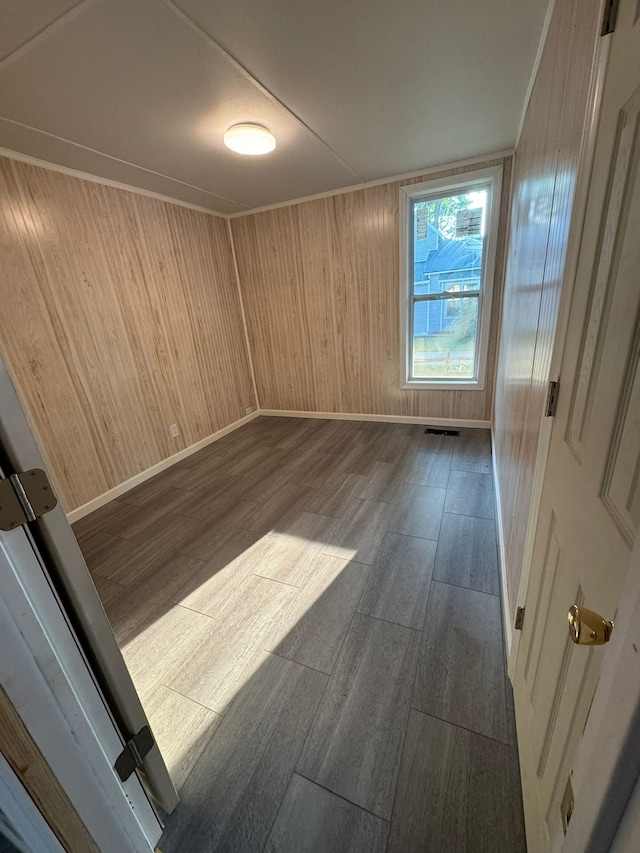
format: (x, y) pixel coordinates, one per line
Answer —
(249, 139)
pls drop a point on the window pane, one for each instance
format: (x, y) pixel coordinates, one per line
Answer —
(444, 338)
(448, 242)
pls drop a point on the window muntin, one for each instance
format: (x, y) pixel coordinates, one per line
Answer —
(449, 249)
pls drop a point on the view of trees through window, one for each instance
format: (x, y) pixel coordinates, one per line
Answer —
(448, 239)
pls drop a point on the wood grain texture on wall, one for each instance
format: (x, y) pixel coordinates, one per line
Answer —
(546, 169)
(320, 285)
(27, 762)
(120, 316)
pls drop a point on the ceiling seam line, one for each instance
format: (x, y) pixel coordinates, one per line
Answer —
(257, 83)
(44, 32)
(124, 162)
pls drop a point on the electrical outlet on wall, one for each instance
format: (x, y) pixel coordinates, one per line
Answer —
(174, 432)
(249, 409)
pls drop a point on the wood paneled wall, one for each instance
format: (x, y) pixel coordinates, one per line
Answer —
(119, 316)
(546, 168)
(320, 286)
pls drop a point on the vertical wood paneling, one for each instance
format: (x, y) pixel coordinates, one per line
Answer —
(320, 285)
(546, 168)
(120, 316)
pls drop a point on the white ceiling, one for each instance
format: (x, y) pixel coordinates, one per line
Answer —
(141, 91)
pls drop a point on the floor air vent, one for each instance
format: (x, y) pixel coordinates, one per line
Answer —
(436, 431)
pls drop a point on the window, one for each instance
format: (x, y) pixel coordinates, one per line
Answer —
(448, 246)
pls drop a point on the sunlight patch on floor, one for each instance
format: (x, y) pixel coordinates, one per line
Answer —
(198, 653)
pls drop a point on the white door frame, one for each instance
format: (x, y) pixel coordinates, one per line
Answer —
(52, 537)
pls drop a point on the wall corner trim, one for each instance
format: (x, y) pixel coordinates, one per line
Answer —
(247, 342)
(502, 554)
(536, 67)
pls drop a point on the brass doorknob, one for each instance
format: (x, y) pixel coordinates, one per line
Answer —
(587, 628)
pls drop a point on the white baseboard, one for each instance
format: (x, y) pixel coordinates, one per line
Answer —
(392, 419)
(101, 500)
(132, 482)
(502, 555)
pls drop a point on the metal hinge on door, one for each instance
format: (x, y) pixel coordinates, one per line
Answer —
(609, 17)
(519, 619)
(133, 755)
(25, 497)
(552, 400)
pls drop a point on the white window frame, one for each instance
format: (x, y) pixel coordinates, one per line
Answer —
(471, 181)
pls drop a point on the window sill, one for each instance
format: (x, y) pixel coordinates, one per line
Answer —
(436, 385)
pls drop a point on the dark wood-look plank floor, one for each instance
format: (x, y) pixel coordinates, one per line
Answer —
(312, 628)
(361, 531)
(291, 602)
(455, 793)
(472, 452)
(398, 588)
(234, 647)
(461, 671)
(355, 743)
(418, 511)
(468, 553)
(232, 796)
(313, 820)
(470, 493)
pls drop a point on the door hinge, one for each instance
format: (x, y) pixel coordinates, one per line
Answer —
(609, 17)
(552, 400)
(133, 755)
(519, 619)
(25, 497)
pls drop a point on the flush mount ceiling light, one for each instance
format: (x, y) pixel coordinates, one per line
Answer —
(249, 139)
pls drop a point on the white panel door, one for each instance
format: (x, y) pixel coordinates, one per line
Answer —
(590, 510)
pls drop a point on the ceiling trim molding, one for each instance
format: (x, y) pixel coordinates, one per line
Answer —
(96, 179)
(535, 69)
(189, 22)
(429, 170)
(37, 130)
